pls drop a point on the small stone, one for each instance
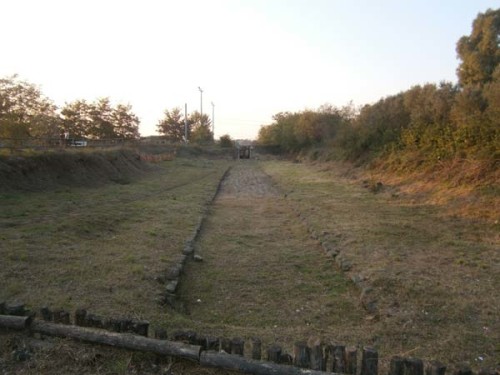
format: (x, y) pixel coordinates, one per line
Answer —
(172, 286)
(346, 266)
(332, 253)
(198, 258)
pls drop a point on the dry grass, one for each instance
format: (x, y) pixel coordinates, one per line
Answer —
(262, 275)
(436, 277)
(102, 248)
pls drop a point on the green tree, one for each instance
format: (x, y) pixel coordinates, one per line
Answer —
(25, 111)
(201, 133)
(99, 120)
(172, 125)
(225, 141)
(102, 126)
(76, 118)
(480, 52)
(125, 122)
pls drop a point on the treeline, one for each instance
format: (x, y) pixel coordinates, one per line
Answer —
(424, 124)
(25, 112)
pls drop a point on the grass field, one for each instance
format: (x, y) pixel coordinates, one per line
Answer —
(435, 277)
(102, 248)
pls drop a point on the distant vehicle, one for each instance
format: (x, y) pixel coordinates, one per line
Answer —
(76, 143)
(244, 152)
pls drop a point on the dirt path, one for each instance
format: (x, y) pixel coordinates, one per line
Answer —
(262, 275)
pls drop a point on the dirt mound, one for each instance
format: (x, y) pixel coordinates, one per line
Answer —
(49, 170)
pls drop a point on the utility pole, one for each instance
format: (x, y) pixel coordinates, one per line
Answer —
(213, 118)
(201, 104)
(185, 123)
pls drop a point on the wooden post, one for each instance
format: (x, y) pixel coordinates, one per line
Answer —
(61, 316)
(80, 316)
(413, 366)
(274, 353)
(189, 337)
(160, 334)
(16, 309)
(369, 361)
(95, 321)
(338, 355)
(211, 343)
(396, 366)
(141, 327)
(225, 345)
(316, 359)
(435, 368)
(237, 346)
(256, 348)
(15, 322)
(351, 360)
(301, 355)
(46, 314)
(463, 369)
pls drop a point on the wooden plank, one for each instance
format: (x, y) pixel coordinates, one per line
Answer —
(250, 366)
(119, 340)
(15, 322)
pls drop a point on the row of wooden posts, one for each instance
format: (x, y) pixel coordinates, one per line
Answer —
(209, 351)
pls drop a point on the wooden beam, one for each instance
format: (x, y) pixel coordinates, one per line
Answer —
(119, 340)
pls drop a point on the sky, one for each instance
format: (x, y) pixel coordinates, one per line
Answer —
(251, 58)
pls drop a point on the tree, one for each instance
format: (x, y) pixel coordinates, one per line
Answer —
(102, 126)
(479, 52)
(76, 118)
(25, 111)
(99, 120)
(225, 141)
(172, 125)
(125, 122)
(201, 133)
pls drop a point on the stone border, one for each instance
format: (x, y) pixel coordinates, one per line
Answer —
(171, 277)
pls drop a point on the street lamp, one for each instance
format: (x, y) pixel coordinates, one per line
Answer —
(201, 103)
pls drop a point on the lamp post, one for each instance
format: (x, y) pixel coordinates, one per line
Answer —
(201, 104)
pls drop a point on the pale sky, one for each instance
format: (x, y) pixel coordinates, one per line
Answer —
(252, 58)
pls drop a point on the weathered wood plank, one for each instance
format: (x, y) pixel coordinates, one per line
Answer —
(15, 322)
(250, 366)
(119, 340)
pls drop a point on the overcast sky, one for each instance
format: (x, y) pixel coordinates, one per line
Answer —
(252, 58)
